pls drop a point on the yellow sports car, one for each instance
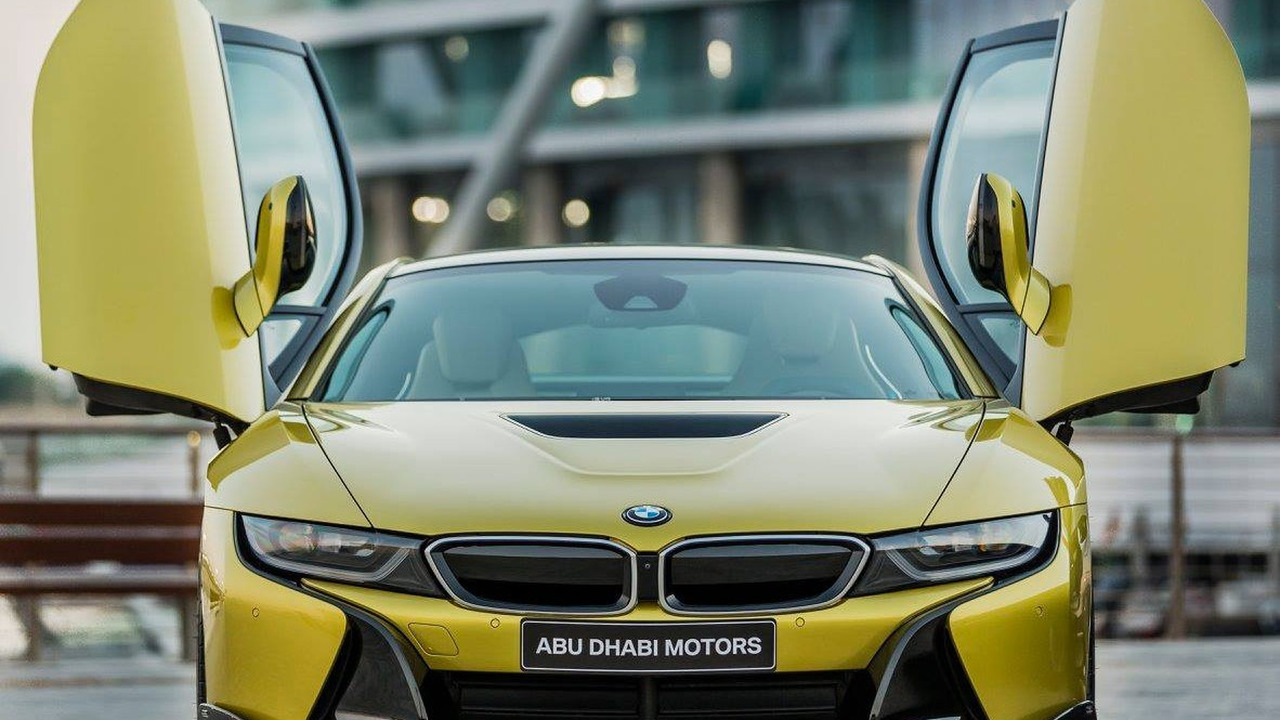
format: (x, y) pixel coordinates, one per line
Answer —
(644, 481)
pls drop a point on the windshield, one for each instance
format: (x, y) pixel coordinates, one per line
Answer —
(640, 329)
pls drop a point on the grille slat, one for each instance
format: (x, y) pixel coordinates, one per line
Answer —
(536, 574)
(726, 575)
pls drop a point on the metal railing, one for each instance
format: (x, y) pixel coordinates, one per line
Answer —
(103, 464)
(32, 437)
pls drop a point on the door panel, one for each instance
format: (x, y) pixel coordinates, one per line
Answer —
(1144, 210)
(1135, 178)
(156, 134)
(140, 227)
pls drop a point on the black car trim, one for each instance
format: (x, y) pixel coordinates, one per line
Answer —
(1043, 30)
(887, 665)
(629, 426)
(241, 35)
(367, 688)
(1179, 395)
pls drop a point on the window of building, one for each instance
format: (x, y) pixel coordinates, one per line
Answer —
(402, 89)
(851, 200)
(631, 201)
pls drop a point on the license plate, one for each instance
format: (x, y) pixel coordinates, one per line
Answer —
(648, 647)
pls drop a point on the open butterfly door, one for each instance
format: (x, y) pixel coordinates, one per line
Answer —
(156, 135)
(1123, 133)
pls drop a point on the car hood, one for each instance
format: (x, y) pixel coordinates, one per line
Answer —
(435, 468)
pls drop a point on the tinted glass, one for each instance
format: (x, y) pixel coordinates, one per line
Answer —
(646, 329)
(995, 126)
(282, 130)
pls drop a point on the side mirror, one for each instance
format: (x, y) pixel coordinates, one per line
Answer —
(284, 252)
(997, 233)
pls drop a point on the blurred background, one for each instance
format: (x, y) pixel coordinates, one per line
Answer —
(801, 123)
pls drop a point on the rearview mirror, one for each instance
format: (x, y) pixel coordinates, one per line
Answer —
(997, 234)
(284, 252)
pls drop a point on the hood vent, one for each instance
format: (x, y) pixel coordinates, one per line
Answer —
(645, 425)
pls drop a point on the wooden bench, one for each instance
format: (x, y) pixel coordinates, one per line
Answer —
(80, 546)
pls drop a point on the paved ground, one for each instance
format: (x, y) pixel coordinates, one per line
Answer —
(1235, 679)
(135, 688)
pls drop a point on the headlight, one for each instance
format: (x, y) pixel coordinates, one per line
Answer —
(960, 552)
(325, 552)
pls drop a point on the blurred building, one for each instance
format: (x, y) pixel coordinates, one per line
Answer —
(801, 123)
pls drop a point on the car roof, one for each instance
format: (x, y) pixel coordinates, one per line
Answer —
(637, 252)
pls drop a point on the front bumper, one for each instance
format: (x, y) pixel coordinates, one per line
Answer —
(964, 650)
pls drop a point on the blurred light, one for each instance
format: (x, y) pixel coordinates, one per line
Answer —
(626, 33)
(589, 90)
(501, 209)
(720, 59)
(624, 67)
(576, 213)
(457, 48)
(430, 209)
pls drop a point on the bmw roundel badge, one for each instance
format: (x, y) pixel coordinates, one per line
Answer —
(646, 515)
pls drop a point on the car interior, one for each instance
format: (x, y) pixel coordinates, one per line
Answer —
(639, 335)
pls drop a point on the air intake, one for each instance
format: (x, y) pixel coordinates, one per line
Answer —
(782, 696)
(645, 425)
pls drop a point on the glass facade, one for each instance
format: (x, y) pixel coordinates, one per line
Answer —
(409, 88)
(258, 8)
(743, 58)
(1255, 29)
(634, 201)
(861, 50)
(851, 200)
(1249, 395)
(426, 201)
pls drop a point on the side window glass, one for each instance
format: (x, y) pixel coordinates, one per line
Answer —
(1005, 330)
(282, 129)
(996, 125)
(344, 368)
(935, 364)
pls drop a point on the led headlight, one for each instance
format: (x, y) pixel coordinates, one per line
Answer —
(959, 552)
(325, 552)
